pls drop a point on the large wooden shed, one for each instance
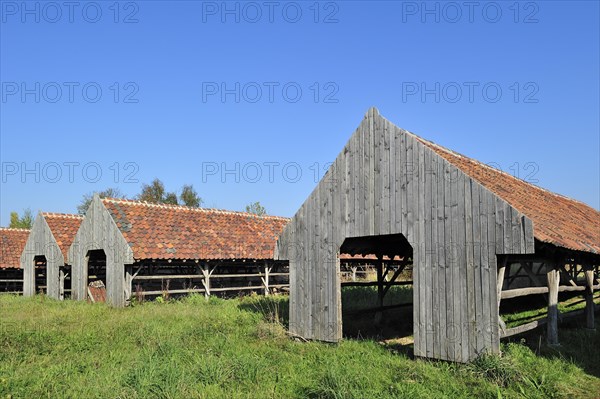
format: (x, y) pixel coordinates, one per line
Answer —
(12, 242)
(139, 248)
(44, 260)
(390, 193)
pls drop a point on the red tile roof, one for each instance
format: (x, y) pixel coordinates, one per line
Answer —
(12, 243)
(63, 226)
(157, 231)
(557, 219)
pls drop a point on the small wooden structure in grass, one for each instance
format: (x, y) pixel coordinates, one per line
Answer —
(142, 249)
(459, 222)
(44, 259)
(12, 242)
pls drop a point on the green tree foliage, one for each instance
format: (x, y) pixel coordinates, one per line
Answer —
(256, 208)
(111, 192)
(21, 222)
(156, 193)
(190, 197)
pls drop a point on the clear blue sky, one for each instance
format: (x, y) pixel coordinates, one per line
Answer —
(434, 68)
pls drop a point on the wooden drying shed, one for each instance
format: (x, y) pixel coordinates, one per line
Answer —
(143, 249)
(44, 259)
(12, 242)
(391, 193)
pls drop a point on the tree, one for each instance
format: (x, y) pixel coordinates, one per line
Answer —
(190, 197)
(153, 192)
(171, 199)
(156, 193)
(23, 222)
(111, 192)
(256, 208)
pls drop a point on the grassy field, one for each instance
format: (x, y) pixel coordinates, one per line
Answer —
(238, 348)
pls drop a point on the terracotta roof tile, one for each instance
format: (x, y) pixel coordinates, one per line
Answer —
(63, 226)
(557, 219)
(157, 231)
(12, 243)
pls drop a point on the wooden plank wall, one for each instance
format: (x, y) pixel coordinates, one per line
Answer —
(98, 230)
(41, 242)
(386, 181)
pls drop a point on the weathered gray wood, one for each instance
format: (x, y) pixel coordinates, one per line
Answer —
(553, 282)
(98, 231)
(61, 284)
(387, 181)
(41, 242)
(477, 306)
(589, 298)
(441, 258)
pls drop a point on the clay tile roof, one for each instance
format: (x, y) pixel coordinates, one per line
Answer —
(557, 219)
(12, 243)
(63, 226)
(158, 231)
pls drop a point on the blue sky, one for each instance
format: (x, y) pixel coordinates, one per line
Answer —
(249, 101)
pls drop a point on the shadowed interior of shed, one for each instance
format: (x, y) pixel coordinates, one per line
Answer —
(389, 255)
(40, 274)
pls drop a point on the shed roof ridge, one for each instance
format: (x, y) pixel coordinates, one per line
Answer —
(62, 215)
(190, 208)
(457, 154)
(14, 229)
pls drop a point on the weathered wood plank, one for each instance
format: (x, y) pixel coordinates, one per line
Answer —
(553, 282)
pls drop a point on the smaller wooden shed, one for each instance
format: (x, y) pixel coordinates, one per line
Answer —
(44, 259)
(12, 242)
(139, 248)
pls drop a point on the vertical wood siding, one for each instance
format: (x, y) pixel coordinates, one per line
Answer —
(386, 181)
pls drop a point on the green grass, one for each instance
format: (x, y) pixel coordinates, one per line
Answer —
(238, 348)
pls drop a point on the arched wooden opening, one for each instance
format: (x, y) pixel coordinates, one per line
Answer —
(40, 274)
(96, 281)
(376, 286)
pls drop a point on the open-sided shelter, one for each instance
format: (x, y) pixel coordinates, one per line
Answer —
(12, 242)
(141, 248)
(391, 193)
(44, 260)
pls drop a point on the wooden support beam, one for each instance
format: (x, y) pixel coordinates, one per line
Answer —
(389, 284)
(61, 284)
(589, 298)
(373, 283)
(553, 282)
(500, 281)
(571, 276)
(499, 284)
(379, 268)
(265, 279)
(541, 290)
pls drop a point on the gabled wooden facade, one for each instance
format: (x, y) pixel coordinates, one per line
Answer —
(44, 259)
(387, 183)
(142, 249)
(99, 232)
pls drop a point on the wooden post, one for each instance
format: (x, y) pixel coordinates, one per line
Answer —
(589, 297)
(354, 273)
(61, 284)
(500, 281)
(206, 280)
(379, 265)
(128, 283)
(380, 293)
(499, 284)
(553, 282)
(265, 280)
